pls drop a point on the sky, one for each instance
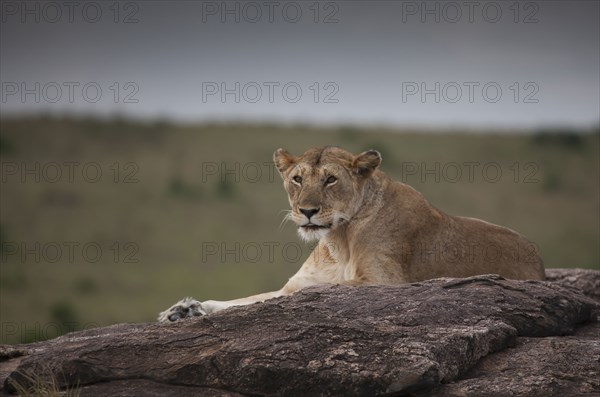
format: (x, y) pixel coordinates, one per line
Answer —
(433, 64)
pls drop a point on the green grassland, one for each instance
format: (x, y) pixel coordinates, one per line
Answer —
(167, 222)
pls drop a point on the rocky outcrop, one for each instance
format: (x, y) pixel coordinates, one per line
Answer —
(586, 281)
(480, 336)
(550, 366)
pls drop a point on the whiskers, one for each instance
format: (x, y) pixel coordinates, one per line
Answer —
(286, 217)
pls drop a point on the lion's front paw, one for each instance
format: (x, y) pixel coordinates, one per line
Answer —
(186, 307)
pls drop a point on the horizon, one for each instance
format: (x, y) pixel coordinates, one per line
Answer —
(431, 64)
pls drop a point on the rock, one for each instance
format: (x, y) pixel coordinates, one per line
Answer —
(551, 366)
(583, 280)
(148, 388)
(478, 336)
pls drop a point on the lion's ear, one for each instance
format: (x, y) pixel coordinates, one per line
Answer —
(283, 160)
(366, 163)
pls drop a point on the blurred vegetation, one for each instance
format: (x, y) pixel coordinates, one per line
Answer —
(195, 210)
(42, 383)
(6, 147)
(567, 139)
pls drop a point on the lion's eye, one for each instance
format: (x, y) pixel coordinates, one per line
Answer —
(297, 179)
(331, 180)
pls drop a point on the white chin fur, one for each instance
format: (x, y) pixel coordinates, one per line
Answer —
(312, 235)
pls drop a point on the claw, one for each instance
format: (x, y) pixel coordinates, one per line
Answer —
(187, 307)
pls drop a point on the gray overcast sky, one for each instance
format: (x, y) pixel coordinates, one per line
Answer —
(480, 64)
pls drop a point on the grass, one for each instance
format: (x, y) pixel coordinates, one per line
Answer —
(42, 384)
(125, 245)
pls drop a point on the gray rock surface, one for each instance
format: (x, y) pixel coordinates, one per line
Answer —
(550, 366)
(480, 336)
(583, 280)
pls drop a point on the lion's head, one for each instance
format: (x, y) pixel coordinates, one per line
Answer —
(325, 186)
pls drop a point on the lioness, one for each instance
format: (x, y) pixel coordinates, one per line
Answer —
(373, 230)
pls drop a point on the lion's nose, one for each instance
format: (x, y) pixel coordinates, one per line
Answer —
(308, 212)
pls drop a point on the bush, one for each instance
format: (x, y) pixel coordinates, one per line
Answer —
(180, 188)
(561, 138)
(6, 146)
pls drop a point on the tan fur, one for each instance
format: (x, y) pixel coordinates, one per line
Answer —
(373, 230)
